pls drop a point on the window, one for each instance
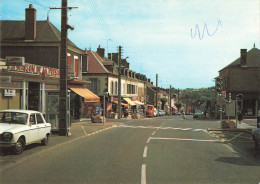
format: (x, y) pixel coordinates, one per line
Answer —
(32, 119)
(94, 86)
(112, 88)
(39, 119)
(116, 90)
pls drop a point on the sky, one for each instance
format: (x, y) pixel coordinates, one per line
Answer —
(185, 42)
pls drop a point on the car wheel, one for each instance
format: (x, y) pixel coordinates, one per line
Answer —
(44, 142)
(19, 146)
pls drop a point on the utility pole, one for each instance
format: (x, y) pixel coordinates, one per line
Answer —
(170, 100)
(178, 95)
(157, 91)
(119, 83)
(63, 101)
(63, 105)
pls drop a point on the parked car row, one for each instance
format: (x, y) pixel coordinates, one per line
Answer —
(19, 128)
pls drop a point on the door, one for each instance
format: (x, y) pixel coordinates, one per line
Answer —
(52, 113)
(42, 126)
(33, 130)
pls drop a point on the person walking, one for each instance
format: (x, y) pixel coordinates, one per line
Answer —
(239, 116)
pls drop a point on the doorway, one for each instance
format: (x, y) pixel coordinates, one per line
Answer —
(34, 96)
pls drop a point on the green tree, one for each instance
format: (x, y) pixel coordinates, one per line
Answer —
(178, 105)
(163, 100)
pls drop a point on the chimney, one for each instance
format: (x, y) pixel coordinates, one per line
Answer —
(115, 58)
(243, 57)
(109, 55)
(101, 51)
(30, 23)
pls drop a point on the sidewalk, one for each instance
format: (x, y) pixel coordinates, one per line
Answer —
(246, 126)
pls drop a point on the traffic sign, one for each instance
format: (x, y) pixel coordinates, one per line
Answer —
(221, 101)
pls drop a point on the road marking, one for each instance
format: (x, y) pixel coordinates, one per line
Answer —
(84, 130)
(145, 151)
(163, 128)
(143, 174)
(235, 137)
(230, 148)
(181, 139)
(148, 141)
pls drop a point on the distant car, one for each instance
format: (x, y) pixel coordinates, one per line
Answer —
(22, 127)
(149, 110)
(155, 112)
(162, 113)
(197, 114)
(256, 137)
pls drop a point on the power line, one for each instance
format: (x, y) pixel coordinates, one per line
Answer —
(37, 4)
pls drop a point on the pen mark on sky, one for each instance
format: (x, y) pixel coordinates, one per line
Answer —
(197, 30)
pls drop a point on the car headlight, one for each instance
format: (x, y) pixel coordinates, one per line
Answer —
(7, 136)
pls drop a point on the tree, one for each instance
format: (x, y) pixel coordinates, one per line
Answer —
(178, 105)
(163, 100)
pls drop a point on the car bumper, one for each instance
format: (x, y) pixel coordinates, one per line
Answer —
(6, 145)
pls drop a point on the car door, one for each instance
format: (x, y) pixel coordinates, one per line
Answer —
(33, 129)
(43, 130)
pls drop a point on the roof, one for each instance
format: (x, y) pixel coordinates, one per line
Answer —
(14, 31)
(253, 60)
(95, 63)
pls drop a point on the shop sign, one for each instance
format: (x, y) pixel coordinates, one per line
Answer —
(51, 86)
(9, 92)
(5, 79)
(11, 85)
(36, 69)
(15, 61)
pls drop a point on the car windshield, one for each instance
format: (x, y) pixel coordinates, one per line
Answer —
(149, 107)
(13, 118)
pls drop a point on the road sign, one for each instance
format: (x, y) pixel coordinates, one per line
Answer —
(221, 101)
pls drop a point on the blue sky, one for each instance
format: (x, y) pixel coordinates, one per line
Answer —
(156, 34)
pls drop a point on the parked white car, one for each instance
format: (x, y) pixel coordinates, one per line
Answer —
(22, 127)
(155, 112)
(256, 137)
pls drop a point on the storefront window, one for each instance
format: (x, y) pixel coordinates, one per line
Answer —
(249, 107)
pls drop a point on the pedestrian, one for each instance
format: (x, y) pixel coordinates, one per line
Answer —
(182, 114)
(239, 116)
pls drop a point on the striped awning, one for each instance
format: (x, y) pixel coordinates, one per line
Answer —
(88, 95)
(138, 103)
(121, 103)
(129, 101)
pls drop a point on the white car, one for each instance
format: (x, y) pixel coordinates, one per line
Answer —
(22, 127)
(256, 137)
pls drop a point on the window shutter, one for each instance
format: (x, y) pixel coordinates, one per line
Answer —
(98, 86)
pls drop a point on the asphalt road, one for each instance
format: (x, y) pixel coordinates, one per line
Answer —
(153, 151)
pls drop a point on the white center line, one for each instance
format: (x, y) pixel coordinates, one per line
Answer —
(143, 174)
(148, 140)
(145, 151)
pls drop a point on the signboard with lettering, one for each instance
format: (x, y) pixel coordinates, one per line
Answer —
(5, 79)
(15, 61)
(9, 92)
(36, 69)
